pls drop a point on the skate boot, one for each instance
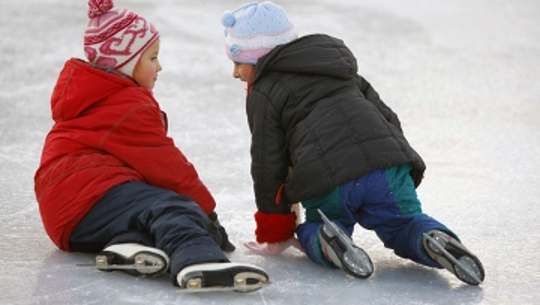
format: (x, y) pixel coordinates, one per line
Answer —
(454, 257)
(134, 259)
(222, 276)
(339, 248)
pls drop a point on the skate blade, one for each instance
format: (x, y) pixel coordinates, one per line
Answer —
(461, 267)
(243, 282)
(346, 240)
(121, 267)
(196, 287)
(144, 264)
(358, 263)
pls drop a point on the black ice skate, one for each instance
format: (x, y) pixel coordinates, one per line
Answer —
(134, 259)
(222, 276)
(454, 257)
(341, 250)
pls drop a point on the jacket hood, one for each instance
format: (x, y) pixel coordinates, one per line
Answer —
(80, 86)
(316, 54)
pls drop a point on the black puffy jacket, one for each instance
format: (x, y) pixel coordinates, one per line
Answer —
(316, 124)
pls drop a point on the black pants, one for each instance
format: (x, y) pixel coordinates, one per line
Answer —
(135, 212)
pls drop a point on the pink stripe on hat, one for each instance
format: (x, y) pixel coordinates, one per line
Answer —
(249, 56)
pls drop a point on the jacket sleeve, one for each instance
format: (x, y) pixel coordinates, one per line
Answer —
(269, 166)
(139, 139)
(371, 95)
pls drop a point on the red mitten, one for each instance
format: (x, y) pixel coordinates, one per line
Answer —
(274, 228)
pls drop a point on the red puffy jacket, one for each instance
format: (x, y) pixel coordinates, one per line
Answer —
(107, 131)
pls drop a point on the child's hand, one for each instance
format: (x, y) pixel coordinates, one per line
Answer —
(272, 248)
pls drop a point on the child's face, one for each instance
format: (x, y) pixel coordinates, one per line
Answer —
(244, 72)
(146, 70)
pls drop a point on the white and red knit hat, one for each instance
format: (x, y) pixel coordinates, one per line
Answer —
(116, 38)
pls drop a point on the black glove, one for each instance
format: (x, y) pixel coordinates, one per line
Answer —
(219, 234)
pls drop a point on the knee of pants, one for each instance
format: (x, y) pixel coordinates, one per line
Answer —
(408, 242)
(171, 204)
(305, 230)
(307, 236)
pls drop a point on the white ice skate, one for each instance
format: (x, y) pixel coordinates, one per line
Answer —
(342, 251)
(222, 276)
(454, 257)
(134, 259)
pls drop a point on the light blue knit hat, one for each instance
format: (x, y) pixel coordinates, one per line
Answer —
(254, 29)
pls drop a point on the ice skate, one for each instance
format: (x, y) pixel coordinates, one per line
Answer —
(340, 249)
(454, 257)
(222, 276)
(134, 259)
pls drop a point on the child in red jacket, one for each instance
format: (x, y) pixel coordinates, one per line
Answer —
(112, 182)
(322, 136)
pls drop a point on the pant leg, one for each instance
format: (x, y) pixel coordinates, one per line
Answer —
(386, 201)
(111, 221)
(137, 212)
(307, 232)
(181, 230)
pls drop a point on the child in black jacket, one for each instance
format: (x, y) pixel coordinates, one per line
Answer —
(322, 136)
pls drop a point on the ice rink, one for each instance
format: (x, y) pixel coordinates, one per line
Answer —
(462, 75)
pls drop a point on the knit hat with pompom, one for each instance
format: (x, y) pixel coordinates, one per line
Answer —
(116, 38)
(254, 29)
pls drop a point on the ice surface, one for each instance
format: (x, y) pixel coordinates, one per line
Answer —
(462, 75)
